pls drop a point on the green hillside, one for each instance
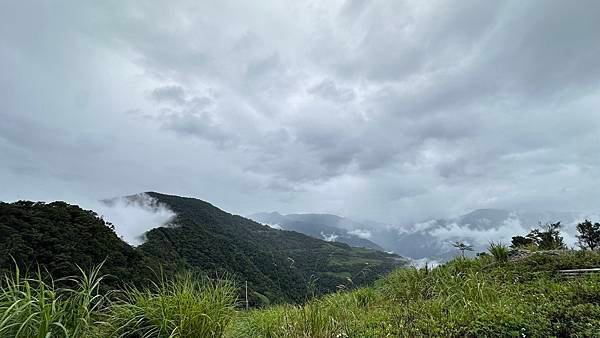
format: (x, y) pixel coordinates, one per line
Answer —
(464, 298)
(58, 237)
(278, 265)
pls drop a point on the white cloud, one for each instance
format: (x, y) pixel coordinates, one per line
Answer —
(330, 237)
(362, 233)
(274, 226)
(133, 218)
(502, 233)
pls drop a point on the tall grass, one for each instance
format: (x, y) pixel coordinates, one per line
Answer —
(330, 316)
(463, 298)
(33, 307)
(187, 306)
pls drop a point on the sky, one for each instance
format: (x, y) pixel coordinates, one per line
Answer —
(394, 111)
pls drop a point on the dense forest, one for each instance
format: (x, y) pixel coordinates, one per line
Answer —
(58, 237)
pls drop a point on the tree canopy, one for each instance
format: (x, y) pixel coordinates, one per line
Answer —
(546, 237)
(589, 235)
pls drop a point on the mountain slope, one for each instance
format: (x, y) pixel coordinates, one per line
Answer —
(321, 226)
(464, 298)
(59, 236)
(278, 265)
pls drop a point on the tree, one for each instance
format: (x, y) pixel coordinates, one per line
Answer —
(549, 238)
(462, 247)
(520, 242)
(546, 237)
(589, 235)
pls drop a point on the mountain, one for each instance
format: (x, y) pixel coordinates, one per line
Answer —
(60, 236)
(323, 226)
(278, 265)
(429, 240)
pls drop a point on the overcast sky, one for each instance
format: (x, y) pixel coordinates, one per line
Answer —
(387, 110)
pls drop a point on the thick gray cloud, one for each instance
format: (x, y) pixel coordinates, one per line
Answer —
(390, 110)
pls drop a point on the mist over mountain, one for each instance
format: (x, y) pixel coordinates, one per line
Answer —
(398, 128)
(431, 239)
(134, 215)
(60, 237)
(331, 228)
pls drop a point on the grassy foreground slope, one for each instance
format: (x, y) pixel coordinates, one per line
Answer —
(464, 298)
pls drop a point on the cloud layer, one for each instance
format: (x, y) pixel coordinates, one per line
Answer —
(390, 110)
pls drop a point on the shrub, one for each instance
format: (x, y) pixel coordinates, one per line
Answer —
(499, 251)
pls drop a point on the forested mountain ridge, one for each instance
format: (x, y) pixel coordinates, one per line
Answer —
(59, 237)
(278, 265)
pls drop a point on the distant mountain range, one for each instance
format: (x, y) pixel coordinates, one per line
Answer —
(331, 228)
(428, 240)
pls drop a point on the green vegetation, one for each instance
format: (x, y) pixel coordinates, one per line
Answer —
(589, 235)
(60, 237)
(462, 247)
(546, 237)
(34, 308)
(186, 306)
(114, 294)
(279, 266)
(499, 251)
(463, 298)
